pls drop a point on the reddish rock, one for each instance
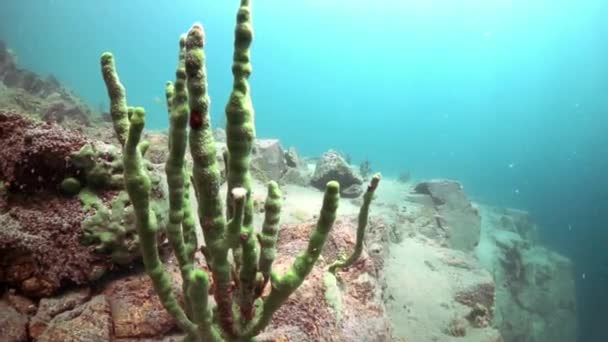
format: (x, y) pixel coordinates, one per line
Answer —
(35, 156)
(13, 325)
(50, 307)
(23, 305)
(40, 249)
(91, 321)
(136, 308)
(307, 315)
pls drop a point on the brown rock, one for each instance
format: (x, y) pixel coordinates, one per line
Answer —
(23, 305)
(35, 156)
(13, 325)
(48, 308)
(310, 314)
(40, 249)
(136, 308)
(88, 322)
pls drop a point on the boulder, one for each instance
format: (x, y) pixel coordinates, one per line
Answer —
(297, 176)
(50, 307)
(90, 321)
(268, 160)
(136, 309)
(13, 325)
(333, 167)
(291, 158)
(219, 134)
(455, 216)
(535, 296)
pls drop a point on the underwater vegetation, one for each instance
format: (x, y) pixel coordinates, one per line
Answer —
(242, 309)
(111, 230)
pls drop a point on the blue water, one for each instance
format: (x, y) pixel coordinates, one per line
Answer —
(509, 97)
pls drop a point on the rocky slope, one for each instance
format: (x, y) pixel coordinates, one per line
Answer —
(435, 267)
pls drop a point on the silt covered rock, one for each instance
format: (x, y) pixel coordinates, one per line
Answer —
(332, 166)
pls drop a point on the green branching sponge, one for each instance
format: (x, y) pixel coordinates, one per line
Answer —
(117, 95)
(362, 224)
(239, 261)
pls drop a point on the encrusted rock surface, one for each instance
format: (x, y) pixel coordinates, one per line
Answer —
(39, 97)
(332, 166)
(90, 321)
(136, 309)
(51, 237)
(40, 250)
(13, 324)
(35, 156)
(455, 219)
(320, 311)
(128, 309)
(267, 159)
(535, 293)
(50, 307)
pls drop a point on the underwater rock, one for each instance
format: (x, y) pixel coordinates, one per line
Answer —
(297, 171)
(518, 221)
(219, 134)
(40, 250)
(90, 321)
(535, 296)
(20, 303)
(58, 111)
(352, 191)
(58, 191)
(136, 308)
(332, 166)
(48, 308)
(39, 97)
(129, 306)
(291, 158)
(354, 298)
(535, 289)
(268, 160)
(458, 302)
(13, 325)
(455, 214)
(158, 151)
(297, 176)
(34, 156)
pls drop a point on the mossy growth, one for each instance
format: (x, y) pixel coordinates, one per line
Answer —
(112, 228)
(101, 166)
(89, 199)
(333, 297)
(70, 186)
